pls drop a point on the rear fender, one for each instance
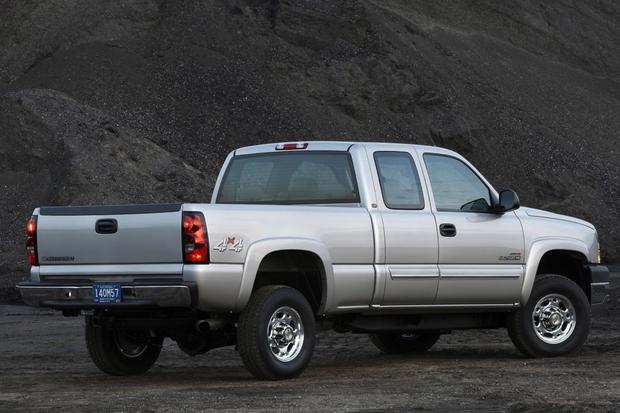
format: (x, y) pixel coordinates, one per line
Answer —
(259, 250)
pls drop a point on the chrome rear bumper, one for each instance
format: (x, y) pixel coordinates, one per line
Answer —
(65, 297)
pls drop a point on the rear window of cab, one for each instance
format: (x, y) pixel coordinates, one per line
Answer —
(317, 177)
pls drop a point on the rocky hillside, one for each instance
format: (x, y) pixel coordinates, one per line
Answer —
(140, 100)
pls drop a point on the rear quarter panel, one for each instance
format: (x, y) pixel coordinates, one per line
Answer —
(345, 231)
(341, 236)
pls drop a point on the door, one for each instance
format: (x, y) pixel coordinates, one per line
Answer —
(410, 270)
(480, 252)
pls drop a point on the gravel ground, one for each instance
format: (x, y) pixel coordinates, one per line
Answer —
(44, 366)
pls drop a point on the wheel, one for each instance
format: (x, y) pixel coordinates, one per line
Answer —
(554, 322)
(276, 333)
(121, 352)
(399, 343)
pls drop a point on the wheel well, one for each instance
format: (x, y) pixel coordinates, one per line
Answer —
(302, 270)
(570, 264)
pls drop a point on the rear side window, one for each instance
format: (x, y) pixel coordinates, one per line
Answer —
(400, 183)
(289, 178)
(455, 186)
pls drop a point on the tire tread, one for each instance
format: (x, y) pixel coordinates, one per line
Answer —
(517, 320)
(249, 330)
(106, 357)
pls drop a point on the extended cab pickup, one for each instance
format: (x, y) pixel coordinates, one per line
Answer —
(403, 242)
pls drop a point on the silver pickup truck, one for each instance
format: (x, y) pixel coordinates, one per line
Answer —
(402, 242)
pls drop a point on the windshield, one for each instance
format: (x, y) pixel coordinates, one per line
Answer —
(289, 178)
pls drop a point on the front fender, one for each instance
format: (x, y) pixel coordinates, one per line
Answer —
(538, 249)
(260, 249)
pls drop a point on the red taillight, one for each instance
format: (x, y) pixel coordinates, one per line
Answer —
(291, 146)
(31, 240)
(195, 241)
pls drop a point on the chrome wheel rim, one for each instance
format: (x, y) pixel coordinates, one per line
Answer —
(130, 344)
(285, 334)
(554, 318)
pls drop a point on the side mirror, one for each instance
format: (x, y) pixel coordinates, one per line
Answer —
(508, 201)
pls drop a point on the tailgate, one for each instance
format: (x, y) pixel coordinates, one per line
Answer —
(119, 234)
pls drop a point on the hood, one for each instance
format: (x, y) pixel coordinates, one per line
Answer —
(539, 213)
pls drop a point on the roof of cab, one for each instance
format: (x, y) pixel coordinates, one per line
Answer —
(337, 146)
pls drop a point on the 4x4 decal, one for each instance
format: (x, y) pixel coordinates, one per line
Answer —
(230, 244)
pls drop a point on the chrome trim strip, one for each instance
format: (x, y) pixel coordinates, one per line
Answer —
(352, 307)
(480, 272)
(414, 275)
(413, 271)
(449, 306)
(478, 277)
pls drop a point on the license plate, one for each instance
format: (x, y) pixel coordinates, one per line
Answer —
(107, 293)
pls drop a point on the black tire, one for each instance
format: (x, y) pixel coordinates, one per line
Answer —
(121, 353)
(252, 333)
(400, 343)
(522, 323)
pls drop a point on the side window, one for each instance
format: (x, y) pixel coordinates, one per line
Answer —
(455, 186)
(400, 184)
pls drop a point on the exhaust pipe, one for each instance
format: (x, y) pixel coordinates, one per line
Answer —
(202, 326)
(205, 326)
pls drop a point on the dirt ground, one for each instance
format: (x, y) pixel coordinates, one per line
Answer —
(44, 366)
